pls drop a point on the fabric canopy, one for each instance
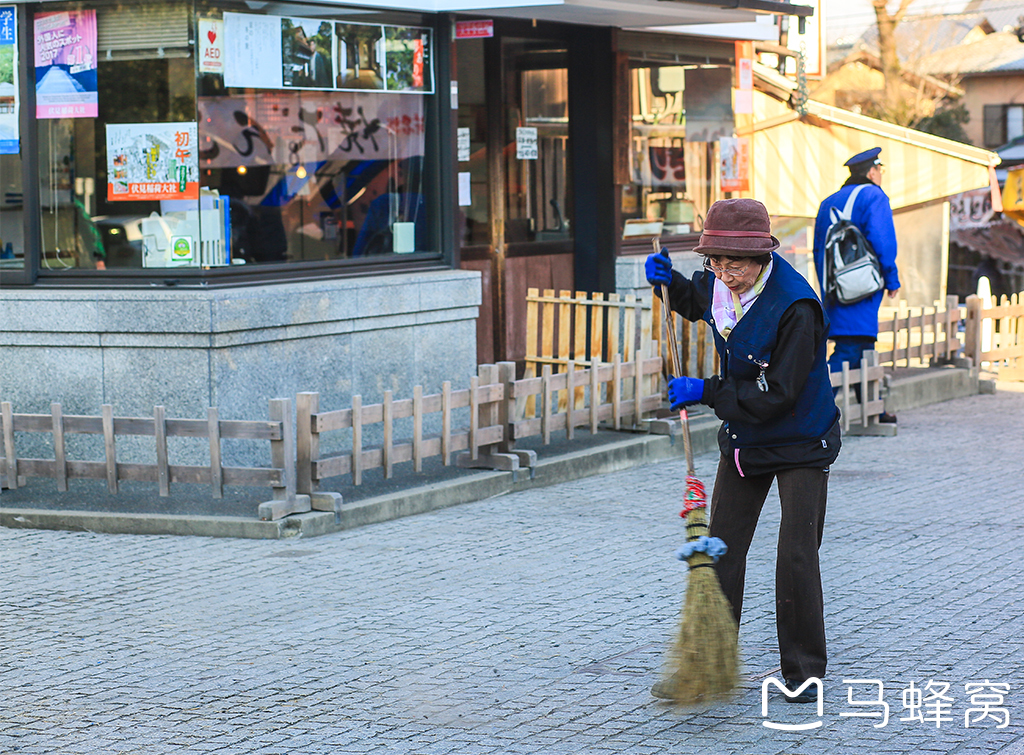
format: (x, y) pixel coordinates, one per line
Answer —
(798, 161)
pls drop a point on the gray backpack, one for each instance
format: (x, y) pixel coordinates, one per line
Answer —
(852, 270)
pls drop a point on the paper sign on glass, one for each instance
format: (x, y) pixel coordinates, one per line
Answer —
(8, 81)
(65, 63)
(152, 161)
(465, 190)
(526, 143)
(211, 45)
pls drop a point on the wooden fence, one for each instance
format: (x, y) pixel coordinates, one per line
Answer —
(278, 431)
(994, 336)
(582, 328)
(860, 397)
(612, 395)
(916, 335)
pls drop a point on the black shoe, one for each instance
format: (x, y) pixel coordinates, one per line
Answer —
(889, 419)
(808, 695)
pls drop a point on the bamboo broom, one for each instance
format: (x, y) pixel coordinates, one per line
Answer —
(703, 663)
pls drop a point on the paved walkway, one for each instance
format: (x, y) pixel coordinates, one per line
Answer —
(534, 622)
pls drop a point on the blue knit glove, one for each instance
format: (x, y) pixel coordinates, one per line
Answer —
(684, 390)
(658, 269)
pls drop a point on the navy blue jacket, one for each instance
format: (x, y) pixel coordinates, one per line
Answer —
(795, 422)
(873, 215)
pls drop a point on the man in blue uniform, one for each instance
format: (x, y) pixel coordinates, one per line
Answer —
(855, 326)
(780, 422)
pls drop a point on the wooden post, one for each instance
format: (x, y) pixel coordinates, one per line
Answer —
(10, 457)
(388, 429)
(110, 447)
(417, 428)
(865, 362)
(846, 396)
(160, 434)
(446, 422)
(595, 394)
(952, 323)
(616, 388)
(60, 459)
(545, 405)
(282, 455)
(507, 414)
(357, 440)
(282, 451)
(307, 441)
(972, 330)
(474, 416)
(570, 389)
(216, 469)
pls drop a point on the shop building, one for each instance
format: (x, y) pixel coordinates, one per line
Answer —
(215, 203)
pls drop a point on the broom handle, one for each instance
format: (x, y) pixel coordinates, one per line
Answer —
(673, 351)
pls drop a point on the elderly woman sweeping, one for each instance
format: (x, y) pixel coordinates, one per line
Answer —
(780, 421)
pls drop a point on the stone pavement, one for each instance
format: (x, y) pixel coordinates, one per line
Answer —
(533, 622)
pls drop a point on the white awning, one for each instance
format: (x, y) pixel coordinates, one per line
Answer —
(798, 161)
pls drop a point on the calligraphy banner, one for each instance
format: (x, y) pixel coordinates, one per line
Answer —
(289, 128)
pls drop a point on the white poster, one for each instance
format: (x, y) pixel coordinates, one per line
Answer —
(462, 144)
(465, 190)
(526, 143)
(252, 51)
(211, 45)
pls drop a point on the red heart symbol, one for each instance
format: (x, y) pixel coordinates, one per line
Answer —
(212, 35)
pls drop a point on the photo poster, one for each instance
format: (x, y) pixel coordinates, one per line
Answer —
(279, 52)
(9, 106)
(708, 100)
(147, 161)
(735, 158)
(307, 53)
(408, 59)
(65, 63)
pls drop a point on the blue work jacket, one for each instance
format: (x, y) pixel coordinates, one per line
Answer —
(873, 215)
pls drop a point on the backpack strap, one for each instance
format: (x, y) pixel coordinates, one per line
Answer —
(850, 200)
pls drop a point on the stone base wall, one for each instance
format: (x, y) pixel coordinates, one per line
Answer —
(235, 349)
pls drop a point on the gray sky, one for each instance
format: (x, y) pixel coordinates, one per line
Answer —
(846, 17)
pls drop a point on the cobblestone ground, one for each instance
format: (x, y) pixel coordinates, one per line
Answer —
(533, 622)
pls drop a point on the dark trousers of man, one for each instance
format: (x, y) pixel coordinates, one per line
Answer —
(799, 609)
(849, 349)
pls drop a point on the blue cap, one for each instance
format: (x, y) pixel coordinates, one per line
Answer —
(863, 157)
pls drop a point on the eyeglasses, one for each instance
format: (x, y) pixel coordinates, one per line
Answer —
(732, 270)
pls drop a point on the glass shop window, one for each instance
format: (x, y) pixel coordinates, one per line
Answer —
(314, 133)
(186, 135)
(682, 119)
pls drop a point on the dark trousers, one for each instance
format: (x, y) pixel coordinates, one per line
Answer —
(799, 609)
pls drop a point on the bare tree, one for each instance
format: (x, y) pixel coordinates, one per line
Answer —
(887, 23)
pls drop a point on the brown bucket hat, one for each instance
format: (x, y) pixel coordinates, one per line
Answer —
(737, 228)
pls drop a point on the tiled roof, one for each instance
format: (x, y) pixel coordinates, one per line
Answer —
(998, 52)
(1003, 240)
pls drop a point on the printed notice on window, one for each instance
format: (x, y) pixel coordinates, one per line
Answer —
(252, 51)
(152, 161)
(526, 143)
(462, 144)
